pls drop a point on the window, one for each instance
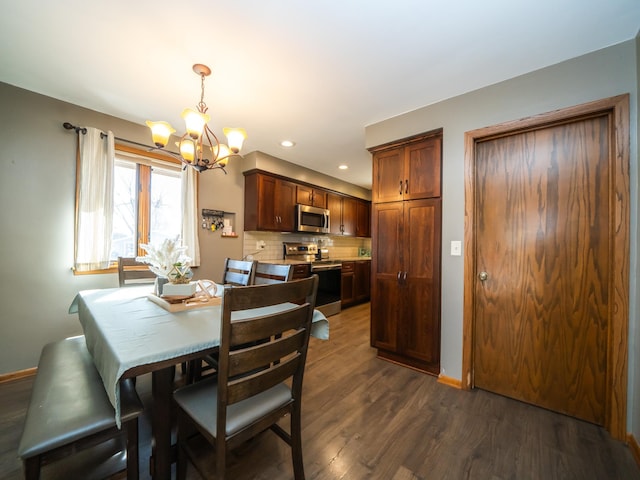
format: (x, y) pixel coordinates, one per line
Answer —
(127, 196)
(147, 214)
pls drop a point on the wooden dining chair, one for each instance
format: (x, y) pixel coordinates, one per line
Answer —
(132, 272)
(256, 385)
(267, 273)
(238, 272)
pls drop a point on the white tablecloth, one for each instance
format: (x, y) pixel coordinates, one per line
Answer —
(124, 329)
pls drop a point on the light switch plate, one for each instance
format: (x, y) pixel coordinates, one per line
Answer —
(456, 248)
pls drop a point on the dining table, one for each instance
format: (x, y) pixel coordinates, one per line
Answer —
(129, 333)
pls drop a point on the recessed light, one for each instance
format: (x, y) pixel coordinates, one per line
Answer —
(343, 167)
(287, 143)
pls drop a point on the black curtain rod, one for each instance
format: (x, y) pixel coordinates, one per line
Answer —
(68, 126)
(83, 130)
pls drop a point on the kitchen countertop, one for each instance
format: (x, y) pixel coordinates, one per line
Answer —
(280, 261)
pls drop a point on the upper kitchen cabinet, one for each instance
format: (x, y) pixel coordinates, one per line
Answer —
(313, 197)
(343, 213)
(409, 171)
(363, 218)
(269, 203)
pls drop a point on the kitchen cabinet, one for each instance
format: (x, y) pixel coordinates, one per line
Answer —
(347, 283)
(269, 203)
(313, 197)
(406, 242)
(405, 296)
(362, 280)
(408, 172)
(342, 211)
(355, 282)
(363, 218)
(302, 270)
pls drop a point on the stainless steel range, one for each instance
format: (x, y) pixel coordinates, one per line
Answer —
(329, 274)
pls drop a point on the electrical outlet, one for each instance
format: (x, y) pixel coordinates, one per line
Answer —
(260, 245)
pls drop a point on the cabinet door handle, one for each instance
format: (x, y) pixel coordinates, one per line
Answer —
(399, 275)
(406, 186)
(404, 277)
(400, 192)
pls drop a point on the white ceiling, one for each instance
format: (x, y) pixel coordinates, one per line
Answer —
(315, 72)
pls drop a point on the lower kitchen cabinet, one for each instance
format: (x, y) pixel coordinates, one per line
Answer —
(405, 295)
(302, 270)
(355, 282)
(347, 283)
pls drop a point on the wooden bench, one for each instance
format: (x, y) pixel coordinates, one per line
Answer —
(70, 429)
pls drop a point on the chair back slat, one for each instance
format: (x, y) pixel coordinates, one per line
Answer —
(264, 379)
(245, 331)
(131, 271)
(238, 272)
(257, 356)
(265, 295)
(268, 273)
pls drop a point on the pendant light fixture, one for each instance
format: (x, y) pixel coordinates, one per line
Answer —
(199, 147)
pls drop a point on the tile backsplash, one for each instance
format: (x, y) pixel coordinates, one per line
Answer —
(339, 247)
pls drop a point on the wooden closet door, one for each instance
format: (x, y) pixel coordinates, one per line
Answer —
(386, 266)
(421, 319)
(543, 239)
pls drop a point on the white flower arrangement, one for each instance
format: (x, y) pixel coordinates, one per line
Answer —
(168, 260)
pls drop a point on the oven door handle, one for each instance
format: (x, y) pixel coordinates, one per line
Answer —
(323, 268)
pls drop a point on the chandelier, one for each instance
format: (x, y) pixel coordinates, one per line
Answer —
(199, 147)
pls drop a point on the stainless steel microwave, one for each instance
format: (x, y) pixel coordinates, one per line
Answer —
(312, 219)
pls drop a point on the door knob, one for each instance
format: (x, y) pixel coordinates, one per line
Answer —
(483, 276)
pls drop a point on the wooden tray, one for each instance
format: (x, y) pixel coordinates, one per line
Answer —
(174, 304)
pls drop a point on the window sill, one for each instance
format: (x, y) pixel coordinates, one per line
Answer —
(113, 268)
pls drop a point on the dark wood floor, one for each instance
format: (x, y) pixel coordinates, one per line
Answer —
(365, 418)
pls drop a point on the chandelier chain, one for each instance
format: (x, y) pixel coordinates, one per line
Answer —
(202, 105)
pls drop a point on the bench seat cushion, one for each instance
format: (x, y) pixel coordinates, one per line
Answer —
(68, 401)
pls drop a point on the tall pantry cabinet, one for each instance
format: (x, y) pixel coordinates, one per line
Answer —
(406, 241)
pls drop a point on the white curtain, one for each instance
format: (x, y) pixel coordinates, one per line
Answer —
(190, 217)
(94, 209)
